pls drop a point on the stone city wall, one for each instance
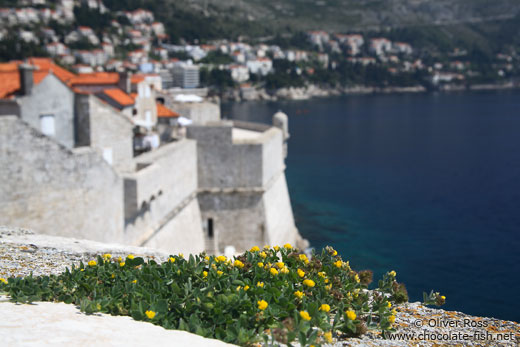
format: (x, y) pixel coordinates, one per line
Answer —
(162, 189)
(55, 190)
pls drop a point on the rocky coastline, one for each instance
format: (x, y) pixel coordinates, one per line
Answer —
(311, 91)
(23, 252)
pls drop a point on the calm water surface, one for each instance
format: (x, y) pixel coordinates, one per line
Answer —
(427, 185)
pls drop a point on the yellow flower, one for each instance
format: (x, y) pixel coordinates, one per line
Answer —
(107, 256)
(260, 264)
(326, 280)
(356, 278)
(309, 283)
(394, 311)
(219, 273)
(322, 274)
(305, 315)
(325, 308)
(262, 304)
(171, 260)
(329, 287)
(260, 284)
(221, 258)
(246, 288)
(119, 259)
(206, 258)
(328, 336)
(113, 276)
(130, 256)
(338, 264)
(255, 249)
(82, 270)
(92, 263)
(213, 266)
(134, 281)
(389, 304)
(334, 253)
(181, 255)
(273, 271)
(204, 274)
(303, 258)
(267, 247)
(238, 288)
(392, 273)
(391, 319)
(443, 297)
(150, 314)
(263, 255)
(280, 265)
(287, 246)
(299, 294)
(238, 264)
(351, 314)
(301, 273)
(276, 248)
(285, 270)
(3, 280)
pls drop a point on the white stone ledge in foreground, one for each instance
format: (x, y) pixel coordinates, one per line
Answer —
(58, 324)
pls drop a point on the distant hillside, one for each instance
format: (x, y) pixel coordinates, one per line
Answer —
(217, 18)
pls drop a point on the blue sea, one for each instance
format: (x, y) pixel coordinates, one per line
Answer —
(427, 185)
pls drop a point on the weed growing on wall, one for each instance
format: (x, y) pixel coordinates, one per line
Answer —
(269, 294)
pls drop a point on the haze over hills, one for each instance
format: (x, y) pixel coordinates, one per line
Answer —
(343, 15)
(209, 19)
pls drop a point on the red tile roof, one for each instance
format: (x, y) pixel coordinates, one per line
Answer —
(165, 112)
(10, 76)
(119, 96)
(95, 78)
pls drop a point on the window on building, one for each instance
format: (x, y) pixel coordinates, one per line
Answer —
(210, 228)
(47, 124)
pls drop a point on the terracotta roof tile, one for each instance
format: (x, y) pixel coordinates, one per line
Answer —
(165, 112)
(95, 78)
(119, 96)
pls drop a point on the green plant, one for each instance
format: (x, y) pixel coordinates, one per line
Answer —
(434, 298)
(274, 294)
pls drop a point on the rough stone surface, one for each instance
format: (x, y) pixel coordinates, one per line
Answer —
(55, 190)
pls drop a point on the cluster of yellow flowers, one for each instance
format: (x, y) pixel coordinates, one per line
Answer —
(309, 283)
(305, 315)
(275, 266)
(299, 294)
(238, 264)
(3, 280)
(351, 314)
(262, 304)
